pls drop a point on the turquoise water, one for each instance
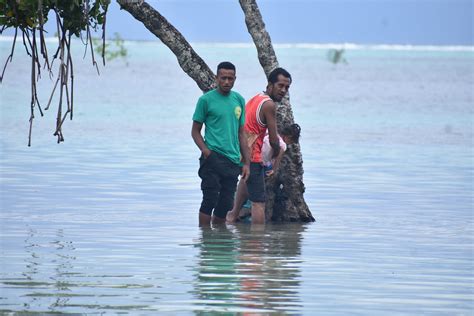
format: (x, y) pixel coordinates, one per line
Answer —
(106, 222)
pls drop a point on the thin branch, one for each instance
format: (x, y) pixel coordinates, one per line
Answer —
(61, 75)
(33, 88)
(69, 62)
(59, 128)
(44, 50)
(34, 50)
(51, 97)
(89, 36)
(10, 57)
(25, 32)
(38, 67)
(60, 31)
(86, 45)
(37, 102)
(103, 35)
(38, 64)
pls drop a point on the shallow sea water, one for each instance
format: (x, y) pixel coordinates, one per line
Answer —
(106, 223)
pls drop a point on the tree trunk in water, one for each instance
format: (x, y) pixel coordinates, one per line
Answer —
(285, 201)
(285, 190)
(188, 59)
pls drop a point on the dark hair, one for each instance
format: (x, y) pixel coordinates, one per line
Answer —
(293, 131)
(273, 76)
(226, 65)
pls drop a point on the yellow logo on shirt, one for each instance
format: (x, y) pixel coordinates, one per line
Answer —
(238, 112)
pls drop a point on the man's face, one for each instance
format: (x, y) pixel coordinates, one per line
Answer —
(279, 89)
(225, 80)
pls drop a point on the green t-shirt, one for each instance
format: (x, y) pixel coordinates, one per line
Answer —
(222, 116)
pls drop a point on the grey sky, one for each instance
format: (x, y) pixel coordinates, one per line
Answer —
(405, 22)
(415, 22)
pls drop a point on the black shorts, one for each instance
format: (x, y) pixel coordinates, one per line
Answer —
(219, 180)
(256, 183)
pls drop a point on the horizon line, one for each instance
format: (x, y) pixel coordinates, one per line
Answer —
(314, 45)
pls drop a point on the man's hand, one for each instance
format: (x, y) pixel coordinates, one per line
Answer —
(206, 152)
(245, 172)
(269, 173)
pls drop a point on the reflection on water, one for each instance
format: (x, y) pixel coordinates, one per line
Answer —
(224, 269)
(243, 270)
(46, 273)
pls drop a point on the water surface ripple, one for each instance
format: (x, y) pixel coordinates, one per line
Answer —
(106, 223)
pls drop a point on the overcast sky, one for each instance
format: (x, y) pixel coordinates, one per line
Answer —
(406, 22)
(417, 22)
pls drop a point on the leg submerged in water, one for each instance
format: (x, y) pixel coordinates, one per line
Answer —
(258, 213)
(204, 220)
(240, 199)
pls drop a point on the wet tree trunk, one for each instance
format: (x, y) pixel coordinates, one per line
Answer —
(285, 190)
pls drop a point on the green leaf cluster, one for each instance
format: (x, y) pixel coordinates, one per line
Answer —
(76, 14)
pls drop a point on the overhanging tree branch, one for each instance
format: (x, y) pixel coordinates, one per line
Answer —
(188, 59)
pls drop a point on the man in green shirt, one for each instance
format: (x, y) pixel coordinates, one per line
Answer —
(224, 146)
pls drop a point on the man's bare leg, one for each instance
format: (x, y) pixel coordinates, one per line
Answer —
(240, 198)
(204, 220)
(258, 213)
(218, 220)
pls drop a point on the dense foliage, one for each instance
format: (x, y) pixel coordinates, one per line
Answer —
(76, 15)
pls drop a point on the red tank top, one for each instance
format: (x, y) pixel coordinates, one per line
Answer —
(254, 127)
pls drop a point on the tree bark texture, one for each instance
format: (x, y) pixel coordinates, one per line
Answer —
(260, 36)
(285, 200)
(188, 59)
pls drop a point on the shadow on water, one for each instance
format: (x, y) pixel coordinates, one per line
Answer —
(242, 270)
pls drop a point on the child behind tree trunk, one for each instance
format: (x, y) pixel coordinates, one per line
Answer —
(289, 135)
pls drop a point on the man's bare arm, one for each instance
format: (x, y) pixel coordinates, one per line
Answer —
(244, 151)
(198, 139)
(269, 113)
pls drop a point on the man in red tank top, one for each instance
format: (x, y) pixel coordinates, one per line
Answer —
(260, 116)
